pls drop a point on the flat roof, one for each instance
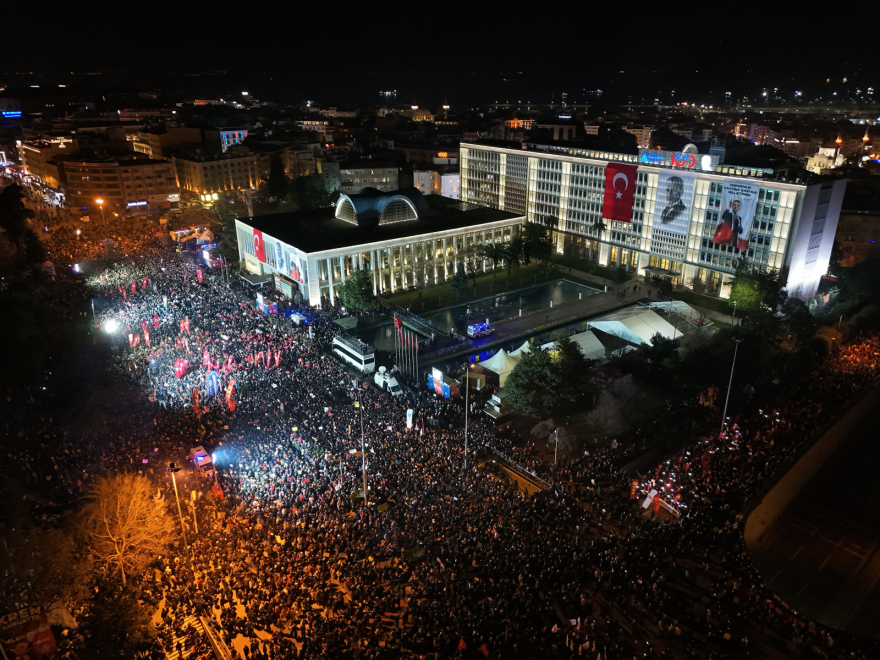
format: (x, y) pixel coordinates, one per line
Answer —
(318, 230)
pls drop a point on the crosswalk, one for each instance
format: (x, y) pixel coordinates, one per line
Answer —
(192, 625)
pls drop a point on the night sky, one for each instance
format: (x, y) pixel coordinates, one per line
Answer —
(479, 49)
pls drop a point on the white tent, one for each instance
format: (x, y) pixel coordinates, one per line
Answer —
(518, 353)
(500, 363)
(636, 326)
(590, 345)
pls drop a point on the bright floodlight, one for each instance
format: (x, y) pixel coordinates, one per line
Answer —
(112, 325)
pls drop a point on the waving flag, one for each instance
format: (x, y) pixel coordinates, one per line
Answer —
(620, 190)
(259, 246)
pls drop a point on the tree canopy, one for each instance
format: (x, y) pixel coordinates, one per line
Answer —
(357, 290)
(123, 525)
(549, 382)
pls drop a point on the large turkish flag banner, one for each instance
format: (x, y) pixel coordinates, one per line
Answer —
(259, 246)
(620, 189)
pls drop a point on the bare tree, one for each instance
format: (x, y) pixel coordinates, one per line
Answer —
(124, 526)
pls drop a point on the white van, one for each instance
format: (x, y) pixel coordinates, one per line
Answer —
(355, 352)
(387, 382)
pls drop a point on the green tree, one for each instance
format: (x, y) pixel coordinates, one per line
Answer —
(514, 254)
(529, 387)
(119, 625)
(357, 290)
(473, 261)
(228, 209)
(495, 253)
(536, 243)
(459, 281)
(14, 216)
(34, 251)
(419, 270)
(549, 381)
(278, 182)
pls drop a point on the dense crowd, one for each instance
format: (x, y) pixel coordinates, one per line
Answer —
(440, 561)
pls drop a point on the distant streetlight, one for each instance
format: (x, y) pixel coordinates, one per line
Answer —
(467, 391)
(78, 232)
(174, 468)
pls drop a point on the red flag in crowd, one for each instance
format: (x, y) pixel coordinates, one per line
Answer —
(199, 275)
(656, 504)
(484, 650)
(620, 190)
(461, 645)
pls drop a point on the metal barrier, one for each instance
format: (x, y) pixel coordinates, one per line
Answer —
(221, 651)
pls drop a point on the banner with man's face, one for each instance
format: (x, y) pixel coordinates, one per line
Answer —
(280, 257)
(736, 213)
(297, 269)
(672, 211)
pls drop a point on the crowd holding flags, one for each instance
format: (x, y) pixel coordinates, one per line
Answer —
(407, 349)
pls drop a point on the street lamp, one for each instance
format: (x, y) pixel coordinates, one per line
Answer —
(363, 447)
(78, 232)
(730, 384)
(100, 202)
(173, 468)
(111, 325)
(556, 447)
(467, 391)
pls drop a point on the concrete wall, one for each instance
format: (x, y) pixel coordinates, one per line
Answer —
(771, 505)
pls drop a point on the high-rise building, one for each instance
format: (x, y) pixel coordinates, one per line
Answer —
(689, 219)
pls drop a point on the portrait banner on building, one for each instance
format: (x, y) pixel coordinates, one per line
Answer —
(297, 272)
(675, 195)
(736, 213)
(620, 190)
(25, 633)
(280, 257)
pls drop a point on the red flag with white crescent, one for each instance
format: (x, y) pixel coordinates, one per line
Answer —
(259, 246)
(620, 190)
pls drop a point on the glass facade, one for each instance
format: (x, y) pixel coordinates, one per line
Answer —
(564, 189)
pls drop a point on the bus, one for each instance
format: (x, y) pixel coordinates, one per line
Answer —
(355, 352)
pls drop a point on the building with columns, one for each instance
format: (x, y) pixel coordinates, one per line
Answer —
(679, 203)
(392, 235)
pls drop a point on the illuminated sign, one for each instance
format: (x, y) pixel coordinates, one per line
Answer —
(652, 157)
(12, 113)
(142, 202)
(442, 154)
(684, 160)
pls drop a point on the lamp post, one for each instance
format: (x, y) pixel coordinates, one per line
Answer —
(100, 202)
(556, 446)
(734, 313)
(467, 391)
(730, 384)
(363, 447)
(78, 232)
(173, 468)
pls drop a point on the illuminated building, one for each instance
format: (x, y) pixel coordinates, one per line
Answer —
(789, 225)
(384, 233)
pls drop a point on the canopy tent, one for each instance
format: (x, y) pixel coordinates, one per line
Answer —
(500, 363)
(347, 322)
(636, 326)
(676, 307)
(589, 344)
(518, 353)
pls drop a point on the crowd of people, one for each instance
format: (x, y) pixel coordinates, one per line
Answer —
(434, 560)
